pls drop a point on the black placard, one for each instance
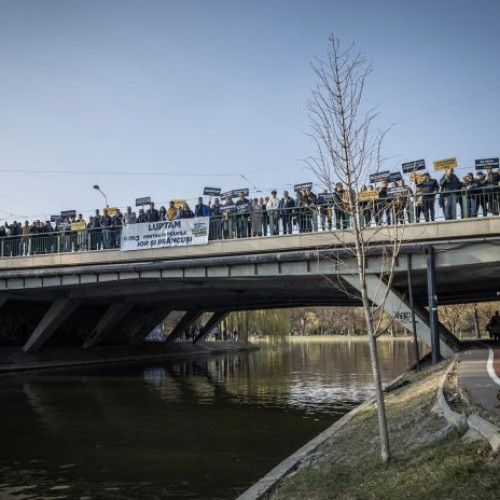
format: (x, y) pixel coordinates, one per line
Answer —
(146, 200)
(379, 176)
(413, 166)
(244, 207)
(325, 198)
(68, 213)
(487, 163)
(302, 187)
(211, 191)
(392, 192)
(235, 192)
(394, 176)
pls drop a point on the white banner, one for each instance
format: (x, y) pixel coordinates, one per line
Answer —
(176, 233)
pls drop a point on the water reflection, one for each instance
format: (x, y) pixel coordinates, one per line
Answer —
(198, 428)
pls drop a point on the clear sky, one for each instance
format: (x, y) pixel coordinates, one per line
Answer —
(161, 98)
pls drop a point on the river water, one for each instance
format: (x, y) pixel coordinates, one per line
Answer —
(192, 429)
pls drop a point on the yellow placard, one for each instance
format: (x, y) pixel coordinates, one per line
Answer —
(78, 226)
(367, 195)
(446, 163)
(112, 211)
(178, 203)
(416, 178)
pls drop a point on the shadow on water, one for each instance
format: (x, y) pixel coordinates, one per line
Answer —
(204, 428)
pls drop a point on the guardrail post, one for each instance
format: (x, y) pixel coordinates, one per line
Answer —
(465, 205)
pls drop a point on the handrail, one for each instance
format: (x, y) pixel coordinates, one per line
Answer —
(398, 207)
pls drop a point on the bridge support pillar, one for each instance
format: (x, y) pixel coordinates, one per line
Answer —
(187, 320)
(399, 309)
(149, 323)
(433, 311)
(216, 318)
(113, 315)
(58, 313)
(3, 299)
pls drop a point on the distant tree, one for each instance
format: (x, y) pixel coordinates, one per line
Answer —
(272, 322)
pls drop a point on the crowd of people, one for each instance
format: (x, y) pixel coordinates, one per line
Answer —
(241, 217)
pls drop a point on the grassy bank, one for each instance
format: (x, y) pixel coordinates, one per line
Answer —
(429, 460)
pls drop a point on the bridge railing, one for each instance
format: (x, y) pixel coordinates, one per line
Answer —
(399, 207)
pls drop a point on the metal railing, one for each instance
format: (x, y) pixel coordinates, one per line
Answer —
(402, 208)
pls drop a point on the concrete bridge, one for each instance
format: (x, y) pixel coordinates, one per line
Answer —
(114, 297)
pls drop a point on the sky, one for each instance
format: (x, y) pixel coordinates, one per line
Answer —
(162, 98)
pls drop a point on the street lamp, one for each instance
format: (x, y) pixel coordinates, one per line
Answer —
(97, 188)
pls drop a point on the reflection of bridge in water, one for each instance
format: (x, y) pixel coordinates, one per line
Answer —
(113, 297)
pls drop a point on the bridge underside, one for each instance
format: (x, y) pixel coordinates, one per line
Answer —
(132, 308)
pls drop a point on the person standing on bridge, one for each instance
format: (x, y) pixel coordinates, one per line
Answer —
(493, 190)
(215, 232)
(493, 327)
(286, 208)
(242, 206)
(129, 217)
(256, 218)
(172, 212)
(106, 225)
(481, 194)
(272, 208)
(152, 214)
(142, 217)
(339, 206)
(186, 212)
(200, 209)
(450, 191)
(311, 216)
(429, 188)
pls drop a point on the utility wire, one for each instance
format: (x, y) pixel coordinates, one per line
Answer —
(447, 105)
(110, 172)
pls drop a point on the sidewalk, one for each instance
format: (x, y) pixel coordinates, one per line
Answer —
(479, 376)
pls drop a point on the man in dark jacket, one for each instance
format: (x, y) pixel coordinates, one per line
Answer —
(15, 231)
(493, 191)
(310, 201)
(450, 191)
(325, 209)
(142, 217)
(243, 211)
(339, 197)
(481, 193)
(286, 208)
(106, 225)
(152, 214)
(429, 187)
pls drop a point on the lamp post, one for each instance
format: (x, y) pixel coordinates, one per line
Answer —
(97, 188)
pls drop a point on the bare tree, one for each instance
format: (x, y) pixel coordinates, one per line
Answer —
(347, 150)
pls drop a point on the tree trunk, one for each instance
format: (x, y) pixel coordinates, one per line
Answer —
(379, 394)
(476, 321)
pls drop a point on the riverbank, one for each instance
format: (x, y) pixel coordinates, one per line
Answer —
(15, 359)
(429, 458)
(327, 338)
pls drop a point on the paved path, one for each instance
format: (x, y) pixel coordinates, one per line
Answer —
(479, 375)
